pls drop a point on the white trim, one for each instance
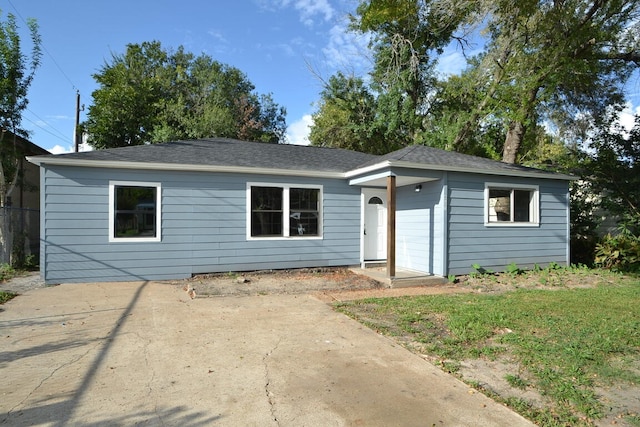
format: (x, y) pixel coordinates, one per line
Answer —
(410, 165)
(111, 164)
(285, 210)
(112, 197)
(534, 206)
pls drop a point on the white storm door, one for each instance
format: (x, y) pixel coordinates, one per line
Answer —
(375, 225)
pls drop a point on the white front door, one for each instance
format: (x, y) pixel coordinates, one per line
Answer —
(375, 224)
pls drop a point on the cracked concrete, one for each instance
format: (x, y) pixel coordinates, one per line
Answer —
(145, 353)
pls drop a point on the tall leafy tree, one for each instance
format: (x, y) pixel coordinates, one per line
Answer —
(346, 118)
(541, 62)
(16, 74)
(550, 61)
(152, 95)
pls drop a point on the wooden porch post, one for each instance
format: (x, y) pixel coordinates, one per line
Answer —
(391, 226)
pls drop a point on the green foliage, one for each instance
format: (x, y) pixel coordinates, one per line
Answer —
(513, 269)
(6, 296)
(480, 271)
(619, 252)
(6, 272)
(538, 64)
(16, 74)
(149, 94)
(346, 118)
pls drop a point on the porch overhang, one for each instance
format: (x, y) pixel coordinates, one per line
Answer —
(403, 177)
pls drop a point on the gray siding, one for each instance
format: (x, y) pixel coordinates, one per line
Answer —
(203, 227)
(419, 228)
(471, 242)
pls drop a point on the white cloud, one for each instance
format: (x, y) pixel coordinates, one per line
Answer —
(346, 49)
(627, 116)
(308, 9)
(451, 63)
(298, 131)
(65, 149)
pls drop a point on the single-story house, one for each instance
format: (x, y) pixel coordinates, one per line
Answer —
(172, 210)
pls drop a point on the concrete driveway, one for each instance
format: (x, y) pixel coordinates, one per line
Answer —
(145, 353)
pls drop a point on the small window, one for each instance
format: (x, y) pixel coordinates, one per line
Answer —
(375, 200)
(284, 211)
(511, 206)
(134, 212)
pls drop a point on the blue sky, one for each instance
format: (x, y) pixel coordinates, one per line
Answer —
(281, 45)
(274, 42)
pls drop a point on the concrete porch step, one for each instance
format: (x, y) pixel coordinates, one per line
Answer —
(402, 279)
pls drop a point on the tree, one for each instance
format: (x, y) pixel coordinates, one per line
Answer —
(614, 168)
(346, 118)
(550, 61)
(152, 95)
(540, 62)
(16, 74)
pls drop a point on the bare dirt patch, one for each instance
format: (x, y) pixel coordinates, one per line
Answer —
(268, 282)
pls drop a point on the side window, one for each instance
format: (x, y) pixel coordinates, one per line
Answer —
(284, 211)
(511, 205)
(134, 211)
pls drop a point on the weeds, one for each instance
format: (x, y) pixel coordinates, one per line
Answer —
(6, 296)
(6, 272)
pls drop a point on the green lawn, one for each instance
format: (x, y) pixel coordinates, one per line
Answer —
(567, 344)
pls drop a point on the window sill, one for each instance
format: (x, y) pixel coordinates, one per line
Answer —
(254, 238)
(133, 239)
(512, 224)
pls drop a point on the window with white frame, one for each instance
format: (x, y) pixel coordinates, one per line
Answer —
(283, 210)
(134, 211)
(511, 205)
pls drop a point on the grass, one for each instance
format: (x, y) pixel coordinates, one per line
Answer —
(565, 342)
(6, 272)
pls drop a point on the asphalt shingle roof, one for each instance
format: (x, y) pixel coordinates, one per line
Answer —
(451, 160)
(226, 152)
(231, 152)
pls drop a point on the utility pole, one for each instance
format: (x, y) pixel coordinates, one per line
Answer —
(77, 137)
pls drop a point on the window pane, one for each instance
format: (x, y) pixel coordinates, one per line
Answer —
(522, 205)
(135, 211)
(499, 205)
(266, 211)
(303, 211)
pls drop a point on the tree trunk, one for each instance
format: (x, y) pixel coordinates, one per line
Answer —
(512, 141)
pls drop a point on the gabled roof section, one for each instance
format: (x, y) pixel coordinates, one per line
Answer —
(423, 157)
(218, 154)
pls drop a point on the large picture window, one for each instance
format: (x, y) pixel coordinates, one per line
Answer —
(134, 212)
(284, 211)
(511, 205)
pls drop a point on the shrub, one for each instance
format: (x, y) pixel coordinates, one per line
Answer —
(619, 252)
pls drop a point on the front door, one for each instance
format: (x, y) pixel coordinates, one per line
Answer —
(375, 224)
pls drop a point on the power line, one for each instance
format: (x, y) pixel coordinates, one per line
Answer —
(45, 121)
(66, 140)
(46, 50)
